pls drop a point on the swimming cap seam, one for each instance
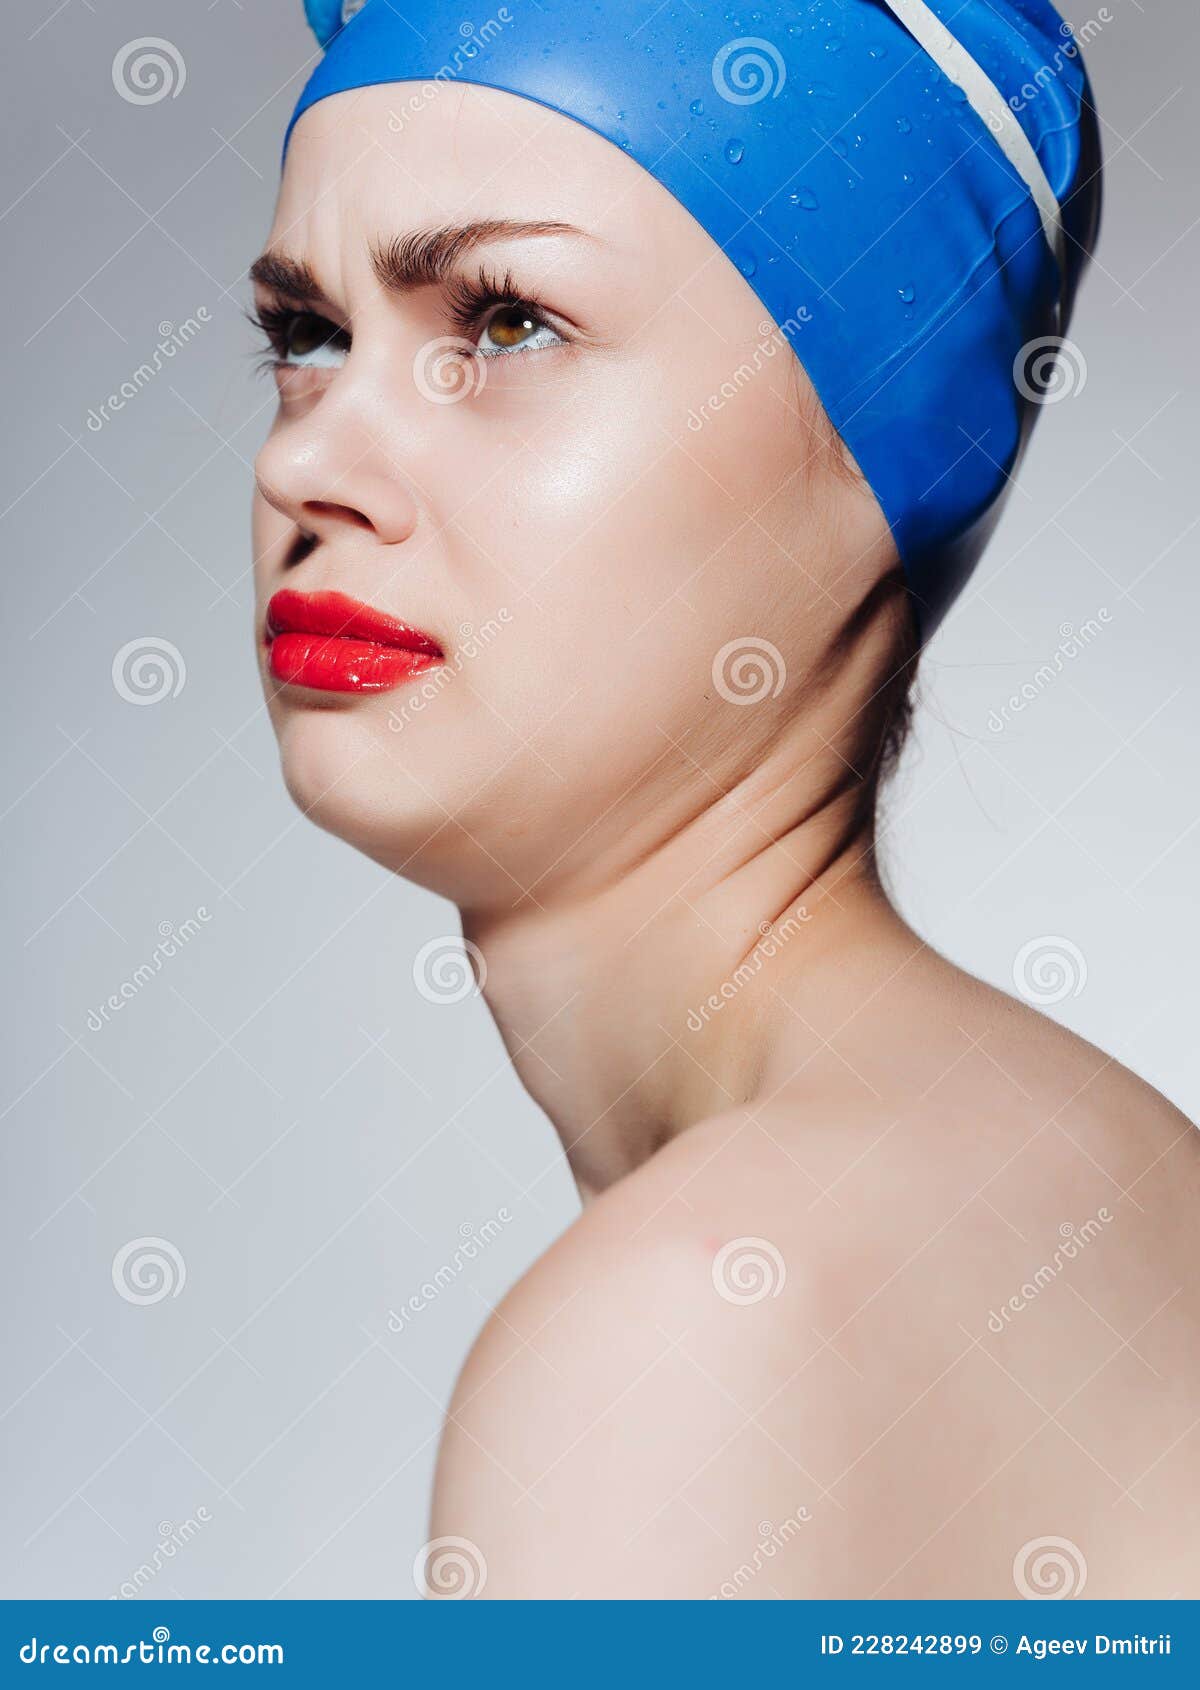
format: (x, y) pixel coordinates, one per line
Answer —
(951, 55)
(933, 325)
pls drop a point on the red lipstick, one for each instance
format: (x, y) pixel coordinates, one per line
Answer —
(334, 643)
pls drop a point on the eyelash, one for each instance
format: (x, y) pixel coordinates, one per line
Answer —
(470, 300)
(274, 323)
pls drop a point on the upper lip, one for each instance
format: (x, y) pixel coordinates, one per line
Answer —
(337, 616)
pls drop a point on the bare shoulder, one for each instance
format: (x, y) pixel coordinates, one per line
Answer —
(858, 1340)
(603, 1438)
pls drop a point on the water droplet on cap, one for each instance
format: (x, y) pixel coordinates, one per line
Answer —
(904, 125)
(697, 108)
(806, 199)
(735, 151)
(908, 293)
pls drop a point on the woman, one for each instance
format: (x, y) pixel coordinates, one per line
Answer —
(631, 436)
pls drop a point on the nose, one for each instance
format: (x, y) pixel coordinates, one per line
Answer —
(331, 476)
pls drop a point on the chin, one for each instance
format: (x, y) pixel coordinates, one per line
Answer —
(346, 770)
(408, 799)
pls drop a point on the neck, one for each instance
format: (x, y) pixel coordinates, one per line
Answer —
(696, 980)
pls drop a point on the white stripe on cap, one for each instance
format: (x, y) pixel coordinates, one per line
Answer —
(952, 58)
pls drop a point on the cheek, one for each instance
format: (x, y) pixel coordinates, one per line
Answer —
(623, 550)
(611, 507)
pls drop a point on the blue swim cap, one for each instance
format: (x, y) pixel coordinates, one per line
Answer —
(911, 189)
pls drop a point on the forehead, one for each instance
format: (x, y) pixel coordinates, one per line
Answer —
(407, 154)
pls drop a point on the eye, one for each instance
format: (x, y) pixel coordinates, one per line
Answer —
(302, 339)
(515, 327)
(313, 341)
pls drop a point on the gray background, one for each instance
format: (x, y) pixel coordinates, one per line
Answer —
(278, 1102)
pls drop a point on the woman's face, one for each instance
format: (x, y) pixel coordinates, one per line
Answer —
(570, 453)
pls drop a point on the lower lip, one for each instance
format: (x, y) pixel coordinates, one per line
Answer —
(342, 665)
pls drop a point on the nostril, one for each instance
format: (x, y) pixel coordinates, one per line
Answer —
(299, 549)
(322, 508)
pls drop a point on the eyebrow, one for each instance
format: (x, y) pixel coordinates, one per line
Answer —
(421, 258)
